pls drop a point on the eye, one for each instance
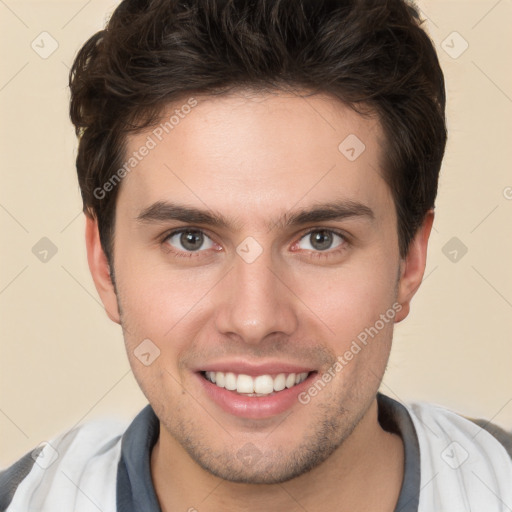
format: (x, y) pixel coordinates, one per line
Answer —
(321, 240)
(189, 240)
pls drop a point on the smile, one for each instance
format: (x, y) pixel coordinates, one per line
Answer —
(255, 390)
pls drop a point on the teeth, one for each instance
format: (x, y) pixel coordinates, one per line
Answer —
(280, 382)
(290, 380)
(230, 381)
(219, 379)
(255, 386)
(245, 384)
(263, 384)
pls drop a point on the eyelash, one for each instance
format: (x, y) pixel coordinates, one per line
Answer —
(315, 254)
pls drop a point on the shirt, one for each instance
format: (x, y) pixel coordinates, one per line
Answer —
(451, 464)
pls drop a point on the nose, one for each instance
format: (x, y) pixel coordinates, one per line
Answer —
(256, 302)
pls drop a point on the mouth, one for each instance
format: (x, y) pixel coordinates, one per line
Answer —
(255, 386)
(256, 396)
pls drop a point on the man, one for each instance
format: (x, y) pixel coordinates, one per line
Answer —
(259, 179)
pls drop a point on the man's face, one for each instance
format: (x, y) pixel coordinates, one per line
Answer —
(260, 295)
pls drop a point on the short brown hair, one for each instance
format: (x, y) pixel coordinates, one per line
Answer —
(367, 53)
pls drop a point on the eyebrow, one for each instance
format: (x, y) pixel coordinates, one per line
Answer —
(163, 211)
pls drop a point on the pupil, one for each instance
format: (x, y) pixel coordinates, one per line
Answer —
(191, 240)
(321, 240)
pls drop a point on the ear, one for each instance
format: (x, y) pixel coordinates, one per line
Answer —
(412, 267)
(100, 270)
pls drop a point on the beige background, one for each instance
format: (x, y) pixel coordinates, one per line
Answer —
(62, 361)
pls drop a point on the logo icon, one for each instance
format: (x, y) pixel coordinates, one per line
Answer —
(44, 45)
(146, 352)
(44, 250)
(352, 147)
(44, 455)
(454, 455)
(249, 250)
(249, 454)
(454, 45)
(454, 250)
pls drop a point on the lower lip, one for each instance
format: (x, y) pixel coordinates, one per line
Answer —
(255, 407)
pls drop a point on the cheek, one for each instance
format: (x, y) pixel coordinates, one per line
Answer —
(351, 298)
(159, 303)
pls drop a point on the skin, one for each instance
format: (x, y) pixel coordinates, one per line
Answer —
(254, 157)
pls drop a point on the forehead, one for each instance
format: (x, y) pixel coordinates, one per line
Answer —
(244, 153)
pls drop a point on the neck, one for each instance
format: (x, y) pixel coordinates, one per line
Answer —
(364, 473)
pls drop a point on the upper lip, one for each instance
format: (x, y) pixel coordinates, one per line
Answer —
(254, 368)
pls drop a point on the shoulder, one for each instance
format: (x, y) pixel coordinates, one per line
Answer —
(504, 437)
(439, 419)
(75, 464)
(465, 465)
